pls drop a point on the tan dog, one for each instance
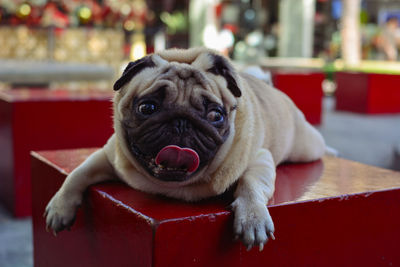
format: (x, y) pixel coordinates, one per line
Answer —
(189, 127)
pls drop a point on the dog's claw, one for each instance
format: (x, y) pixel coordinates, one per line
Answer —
(271, 235)
(252, 223)
(60, 213)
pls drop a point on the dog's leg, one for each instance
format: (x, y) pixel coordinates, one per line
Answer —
(308, 144)
(60, 212)
(252, 221)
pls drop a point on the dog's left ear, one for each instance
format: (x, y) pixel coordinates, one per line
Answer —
(132, 69)
(222, 67)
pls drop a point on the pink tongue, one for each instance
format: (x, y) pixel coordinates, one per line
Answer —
(177, 157)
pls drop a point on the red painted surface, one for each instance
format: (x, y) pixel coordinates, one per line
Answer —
(304, 88)
(384, 94)
(41, 120)
(331, 212)
(369, 93)
(352, 91)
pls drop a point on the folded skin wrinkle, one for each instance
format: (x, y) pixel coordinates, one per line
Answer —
(167, 124)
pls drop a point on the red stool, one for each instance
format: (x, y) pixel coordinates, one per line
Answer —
(370, 93)
(304, 88)
(331, 212)
(42, 120)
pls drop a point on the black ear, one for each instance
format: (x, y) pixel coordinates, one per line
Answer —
(222, 67)
(132, 69)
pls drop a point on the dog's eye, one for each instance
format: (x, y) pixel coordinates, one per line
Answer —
(215, 116)
(147, 108)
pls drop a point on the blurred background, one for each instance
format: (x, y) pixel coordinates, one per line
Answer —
(83, 45)
(329, 34)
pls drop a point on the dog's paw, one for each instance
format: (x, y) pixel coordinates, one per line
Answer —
(252, 223)
(60, 212)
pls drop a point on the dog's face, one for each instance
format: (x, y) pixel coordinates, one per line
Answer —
(176, 112)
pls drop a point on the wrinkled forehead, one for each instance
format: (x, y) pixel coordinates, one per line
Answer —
(183, 79)
(197, 58)
(184, 74)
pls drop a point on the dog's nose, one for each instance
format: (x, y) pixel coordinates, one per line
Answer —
(180, 125)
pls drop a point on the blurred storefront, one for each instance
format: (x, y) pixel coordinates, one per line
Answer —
(112, 32)
(105, 32)
(250, 29)
(55, 29)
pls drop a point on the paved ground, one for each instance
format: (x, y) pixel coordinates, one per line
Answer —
(368, 139)
(15, 241)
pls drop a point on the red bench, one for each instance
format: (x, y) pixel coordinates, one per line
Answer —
(304, 88)
(331, 212)
(370, 93)
(42, 120)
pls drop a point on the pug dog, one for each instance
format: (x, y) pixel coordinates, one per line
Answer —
(189, 126)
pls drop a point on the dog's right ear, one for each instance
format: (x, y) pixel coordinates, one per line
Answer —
(222, 67)
(132, 69)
